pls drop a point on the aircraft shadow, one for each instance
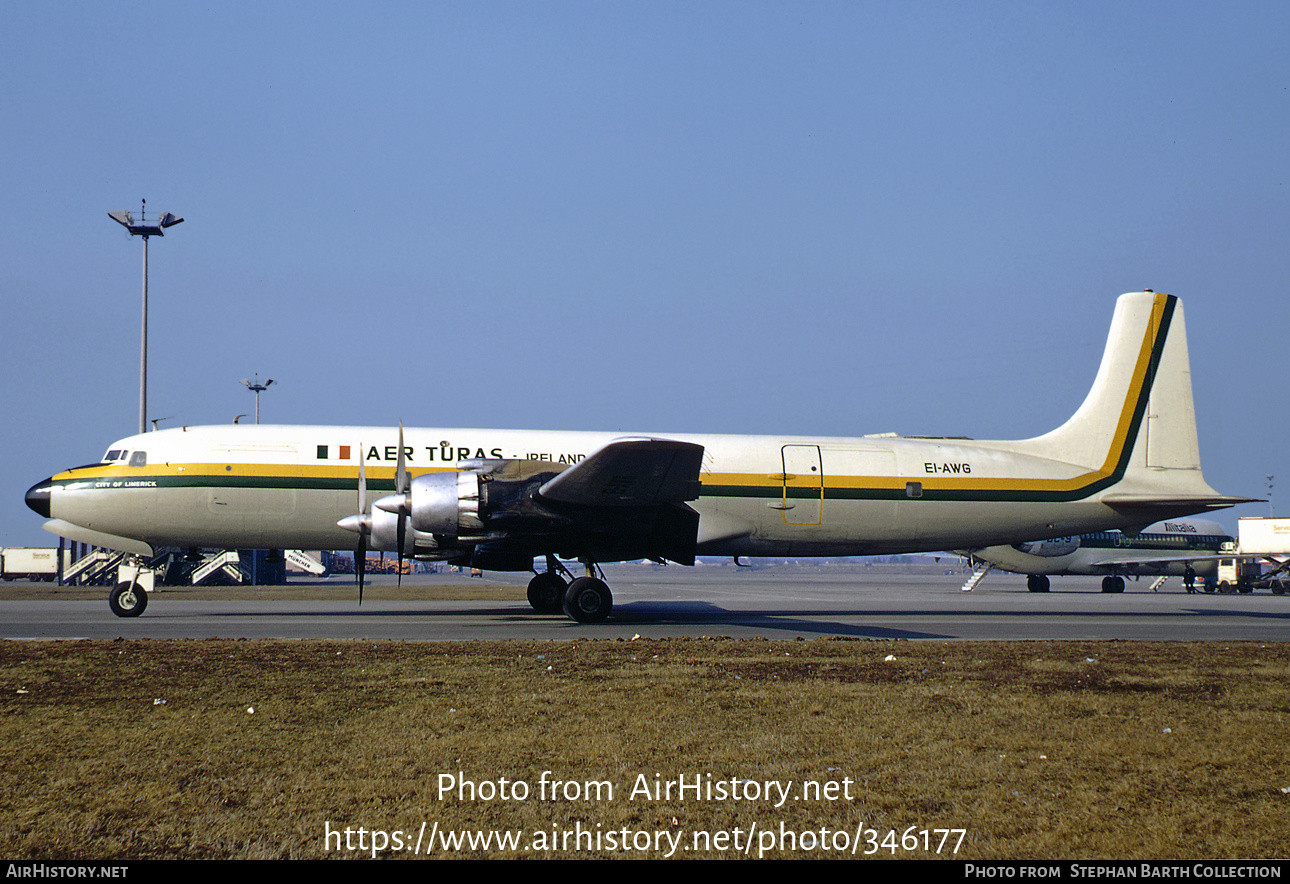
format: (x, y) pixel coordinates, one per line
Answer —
(693, 616)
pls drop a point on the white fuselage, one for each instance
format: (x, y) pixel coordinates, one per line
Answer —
(287, 486)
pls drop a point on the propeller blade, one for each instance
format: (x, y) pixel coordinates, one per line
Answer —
(360, 564)
(401, 532)
(401, 487)
(360, 555)
(401, 472)
(362, 480)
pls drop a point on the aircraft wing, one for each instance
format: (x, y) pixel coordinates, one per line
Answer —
(1111, 562)
(630, 473)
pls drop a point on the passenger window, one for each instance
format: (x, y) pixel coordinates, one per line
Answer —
(139, 459)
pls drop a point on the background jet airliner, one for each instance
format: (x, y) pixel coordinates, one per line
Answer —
(499, 499)
(1173, 547)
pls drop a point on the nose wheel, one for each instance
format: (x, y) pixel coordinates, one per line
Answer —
(127, 599)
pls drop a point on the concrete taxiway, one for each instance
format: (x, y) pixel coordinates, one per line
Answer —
(774, 603)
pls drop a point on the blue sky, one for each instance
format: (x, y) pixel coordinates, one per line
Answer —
(808, 218)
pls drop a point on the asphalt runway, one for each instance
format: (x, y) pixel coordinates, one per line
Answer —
(773, 603)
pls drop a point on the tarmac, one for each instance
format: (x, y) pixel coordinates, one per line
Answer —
(779, 602)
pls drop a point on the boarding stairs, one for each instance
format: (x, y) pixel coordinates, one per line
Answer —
(94, 568)
(978, 574)
(226, 563)
(305, 562)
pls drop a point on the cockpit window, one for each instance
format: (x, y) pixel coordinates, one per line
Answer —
(139, 459)
(114, 454)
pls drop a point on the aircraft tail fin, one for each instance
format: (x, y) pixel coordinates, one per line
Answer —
(1136, 428)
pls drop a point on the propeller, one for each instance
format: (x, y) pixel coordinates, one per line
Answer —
(376, 526)
(360, 524)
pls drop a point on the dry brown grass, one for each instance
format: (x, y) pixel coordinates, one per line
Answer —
(1037, 749)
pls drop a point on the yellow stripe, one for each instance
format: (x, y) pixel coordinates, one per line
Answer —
(292, 471)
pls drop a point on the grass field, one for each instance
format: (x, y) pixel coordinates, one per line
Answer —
(259, 749)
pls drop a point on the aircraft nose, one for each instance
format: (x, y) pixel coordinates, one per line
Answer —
(38, 497)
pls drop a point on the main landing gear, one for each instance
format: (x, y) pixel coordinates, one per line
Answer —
(1037, 583)
(585, 599)
(1112, 584)
(546, 593)
(588, 600)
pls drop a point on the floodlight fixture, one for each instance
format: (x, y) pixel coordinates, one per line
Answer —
(145, 229)
(257, 388)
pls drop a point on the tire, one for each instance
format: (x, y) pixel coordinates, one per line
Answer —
(588, 600)
(127, 600)
(1037, 583)
(546, 593)
(1112, 584)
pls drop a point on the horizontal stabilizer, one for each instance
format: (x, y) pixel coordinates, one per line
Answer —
(1197, 503)
(630, 472)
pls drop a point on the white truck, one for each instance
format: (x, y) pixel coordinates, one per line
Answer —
(1261, 558)
(29, 563)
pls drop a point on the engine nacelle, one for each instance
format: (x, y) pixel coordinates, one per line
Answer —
(383, 534)
(1051, 548)
(445, 503)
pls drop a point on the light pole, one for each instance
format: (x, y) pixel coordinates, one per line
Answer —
(144, 229)
(257, 388)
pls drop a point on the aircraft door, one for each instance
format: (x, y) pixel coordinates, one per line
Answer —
(803, 485)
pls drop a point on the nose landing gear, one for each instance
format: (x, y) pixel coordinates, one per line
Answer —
(127, 599)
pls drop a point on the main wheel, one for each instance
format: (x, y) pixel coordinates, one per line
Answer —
(1037, 583)
(1112, 584)
(546, 593)
(588, 600)
(127, 599)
